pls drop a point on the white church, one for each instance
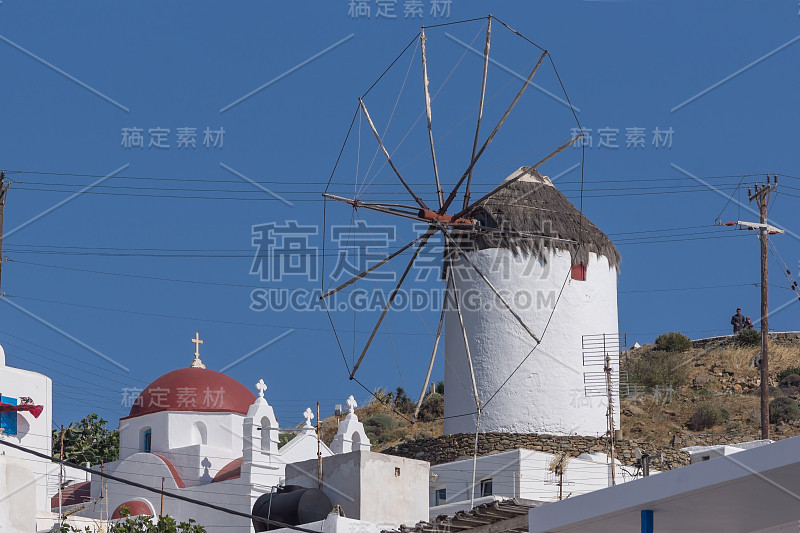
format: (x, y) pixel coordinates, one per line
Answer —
(208, 437)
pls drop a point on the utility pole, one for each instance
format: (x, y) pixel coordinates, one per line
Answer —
(319, 453)
(60, 467)
(761, 197)
(610, 415)
(3, 191)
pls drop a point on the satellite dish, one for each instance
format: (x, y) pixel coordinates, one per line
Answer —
(638, 454)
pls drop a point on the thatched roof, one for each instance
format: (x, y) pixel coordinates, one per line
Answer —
(532, 205)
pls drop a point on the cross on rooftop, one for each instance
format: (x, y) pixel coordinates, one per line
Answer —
(197, 342)
(308, 416)
(197, 363)
(351, 404)
(261, 386)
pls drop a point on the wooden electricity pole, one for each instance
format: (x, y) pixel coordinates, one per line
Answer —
(60, 472)
(3, 191)
(761, 197)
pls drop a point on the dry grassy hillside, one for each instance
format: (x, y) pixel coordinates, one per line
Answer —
(717, 382)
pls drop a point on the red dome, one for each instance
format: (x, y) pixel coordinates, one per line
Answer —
(135, 507)
(231, 470)
(195, 390)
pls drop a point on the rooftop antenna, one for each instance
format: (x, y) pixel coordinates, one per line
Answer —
(558, 465)
(604, 349)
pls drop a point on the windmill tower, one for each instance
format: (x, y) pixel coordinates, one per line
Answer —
(563, 287)
(527, 276)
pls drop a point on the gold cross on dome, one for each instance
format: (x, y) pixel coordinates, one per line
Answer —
(197, 363)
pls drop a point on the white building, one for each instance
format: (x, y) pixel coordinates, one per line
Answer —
(548, 392)
(30, 426)
(755, 490)
(519, 473)
(698, 454)
(205, 436)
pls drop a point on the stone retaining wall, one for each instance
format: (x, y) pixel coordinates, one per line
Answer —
(446, 448)
(780, 337)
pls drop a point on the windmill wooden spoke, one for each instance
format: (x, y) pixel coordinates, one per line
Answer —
(407, 211)
(492, 287)
(423, 241)
(430, 366)
(388, 157)
(491, 135)
(377, 265)
(466, 342)
(517, 177)
(439, 192)
(480, 108)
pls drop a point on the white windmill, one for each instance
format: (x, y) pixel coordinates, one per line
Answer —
(526, 276)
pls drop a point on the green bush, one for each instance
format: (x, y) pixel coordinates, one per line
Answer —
(142, 524)
(381, 395)
(673, 342)
(783, 409)
(724, 414)
(705, 416)
(432, 408)
(659, 369)
(790, 384)
(402, 402)
(747, 337)
(788, 371)
(284, 438)
(381, 422)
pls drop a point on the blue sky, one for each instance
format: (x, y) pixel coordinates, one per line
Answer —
(95, 278)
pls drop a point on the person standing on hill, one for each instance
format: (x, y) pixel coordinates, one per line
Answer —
(737, 321)
(747, 323)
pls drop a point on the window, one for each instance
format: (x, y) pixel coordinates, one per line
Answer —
(486, 487)
(8, 421)
(440, 496)
(579, 272)
(148, 440)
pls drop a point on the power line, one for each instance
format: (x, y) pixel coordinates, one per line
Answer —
(154, 490)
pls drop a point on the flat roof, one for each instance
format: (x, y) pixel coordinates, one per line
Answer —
(753, 490)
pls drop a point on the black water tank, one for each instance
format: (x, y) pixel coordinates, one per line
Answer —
(293, 505)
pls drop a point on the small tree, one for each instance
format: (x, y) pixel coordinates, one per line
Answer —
(673, 342)
(706, 416)
(747, 337)
(432, 408)
(783, 409)
(788, 372)
(402, 402)
(88, 441)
